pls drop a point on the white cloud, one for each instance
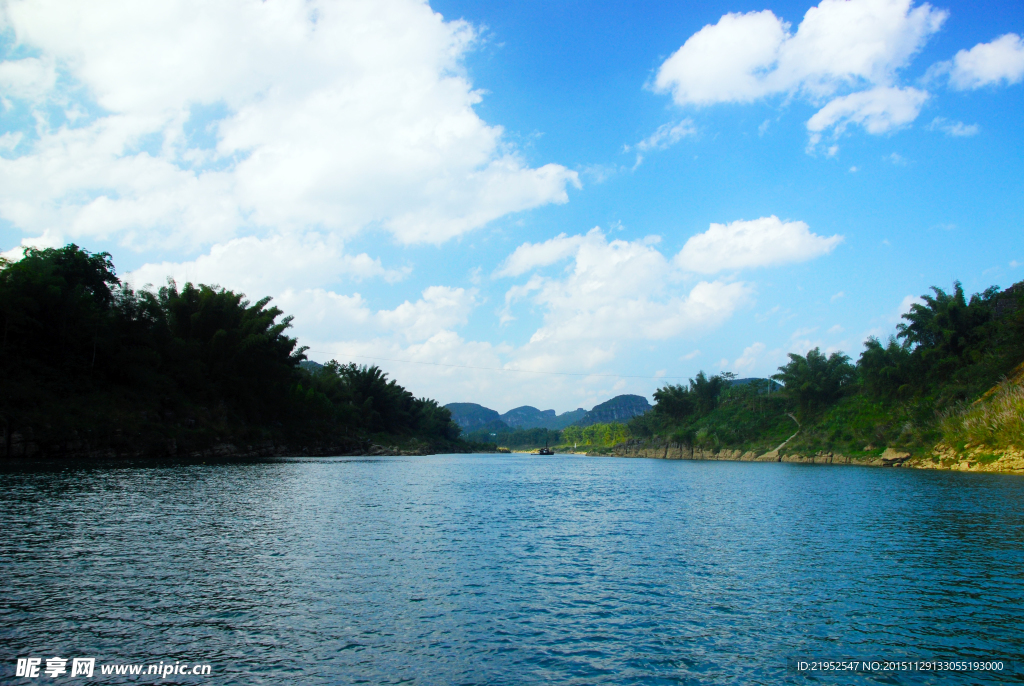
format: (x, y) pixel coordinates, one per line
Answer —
(690, 355)
(878, 110)
(529, 256)
(760, 242)
(613, 292)
(667, 135)
(325, 115)
(440, 309)
(724, 62)
(986, 64)
(953, 128)
(837, 296)
(270, 265)
(748, 360)
(26, 79)
(836, 329)
(851, 45)
(838, 44)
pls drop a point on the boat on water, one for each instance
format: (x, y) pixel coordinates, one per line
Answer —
(545, 451)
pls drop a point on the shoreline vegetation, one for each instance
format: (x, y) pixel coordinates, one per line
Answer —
(945, 392)
(93, 370)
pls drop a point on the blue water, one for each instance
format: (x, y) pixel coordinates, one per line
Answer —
(511, 570)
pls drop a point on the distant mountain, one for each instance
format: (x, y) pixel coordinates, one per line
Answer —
(621, 408)
(568, 418)
(471, 416)
(527, 417)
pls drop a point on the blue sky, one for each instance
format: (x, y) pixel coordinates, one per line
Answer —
(544, 203)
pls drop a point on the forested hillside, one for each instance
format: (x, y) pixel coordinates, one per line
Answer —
(923, 386)
(88, 365)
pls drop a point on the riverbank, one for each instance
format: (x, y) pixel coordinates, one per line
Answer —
(943, 458)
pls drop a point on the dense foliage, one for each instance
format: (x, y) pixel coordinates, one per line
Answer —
(88, 361)
(506, 437)
(908, 393)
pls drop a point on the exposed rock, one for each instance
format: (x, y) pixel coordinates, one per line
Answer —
(1011, 461)
(621, 408)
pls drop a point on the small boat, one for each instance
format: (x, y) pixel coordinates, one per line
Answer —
(545, 450)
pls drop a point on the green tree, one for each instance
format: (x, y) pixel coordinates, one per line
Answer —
(675, 401)
(886, 372)
(816, 381)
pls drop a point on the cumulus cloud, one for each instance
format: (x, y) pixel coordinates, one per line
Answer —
(612, 292)
(839, 43)
(760, 242)
(877, 110)
(529, 256)
(853, 45)
(270, 265)
(236, 116)
(986, 64)
(26, 79)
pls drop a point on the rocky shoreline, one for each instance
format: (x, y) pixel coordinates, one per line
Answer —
(21, 450)
(972, 460)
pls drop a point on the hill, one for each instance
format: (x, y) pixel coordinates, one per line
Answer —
(621, 408)
(471, 416)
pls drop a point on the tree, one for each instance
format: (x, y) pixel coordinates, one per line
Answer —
(706, 390)
(815, 381)
(674, 402)
(886, 372)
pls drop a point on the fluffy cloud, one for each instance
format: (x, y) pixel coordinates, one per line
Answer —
(529, 256)
(877, 110)
(726, 62)
(757, 243)
(613, 292)
(987, 64)
(270, 265)
(856, 45)
(839, 43)
(212, 118)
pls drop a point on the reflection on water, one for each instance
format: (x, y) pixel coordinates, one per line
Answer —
(511, 569)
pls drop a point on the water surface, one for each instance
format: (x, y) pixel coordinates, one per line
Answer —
(511, 570)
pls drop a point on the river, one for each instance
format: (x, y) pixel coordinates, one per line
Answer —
(510, 569)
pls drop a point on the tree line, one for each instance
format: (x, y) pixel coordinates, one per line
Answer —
(948, 350)
(87, 360)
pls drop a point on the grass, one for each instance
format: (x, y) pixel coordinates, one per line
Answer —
(995, 421)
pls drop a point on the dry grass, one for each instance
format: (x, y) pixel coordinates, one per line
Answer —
(997, 420)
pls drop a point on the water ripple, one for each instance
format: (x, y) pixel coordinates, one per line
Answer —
(511, 570)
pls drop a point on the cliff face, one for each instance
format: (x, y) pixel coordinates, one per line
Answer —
(621, 408)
